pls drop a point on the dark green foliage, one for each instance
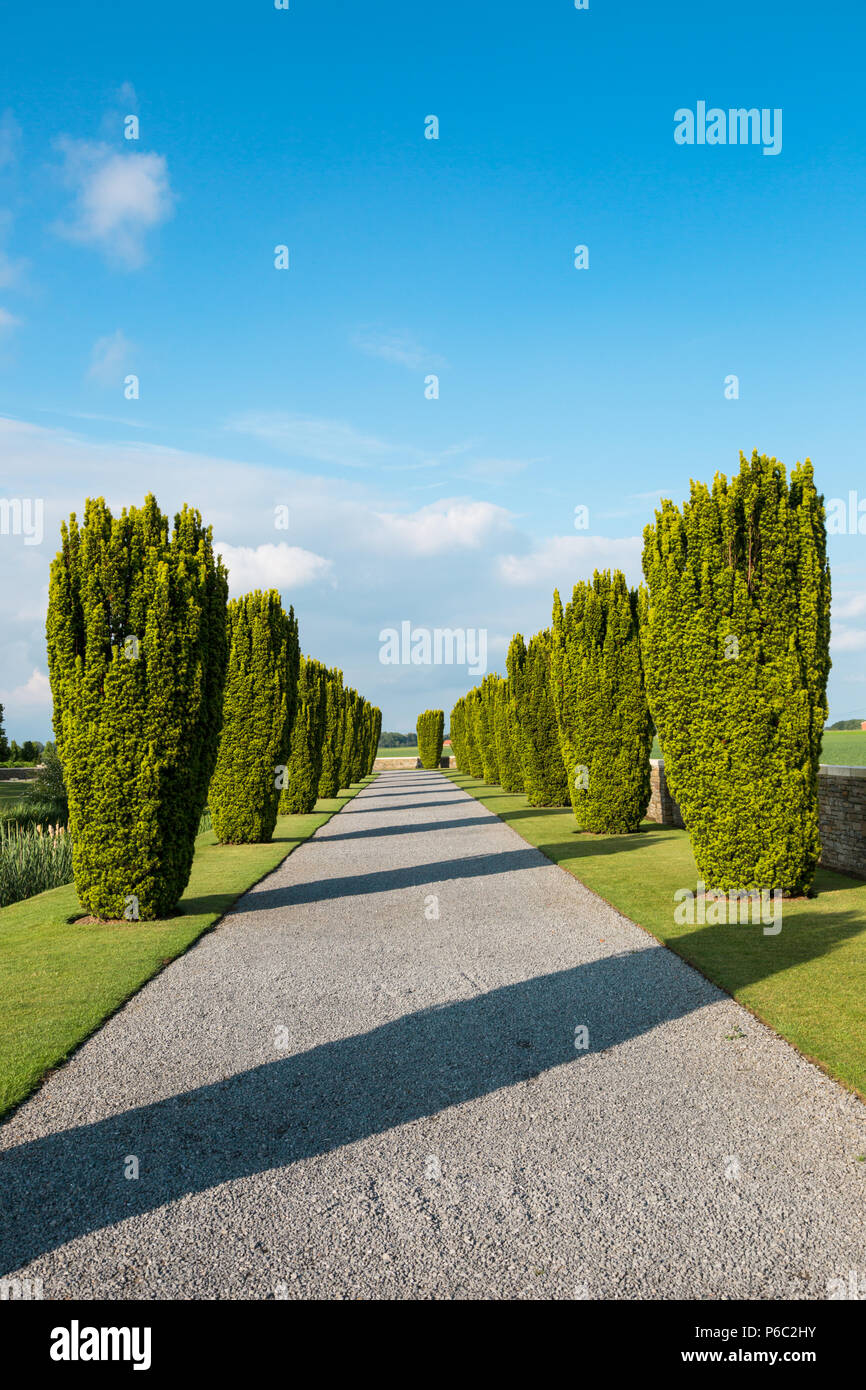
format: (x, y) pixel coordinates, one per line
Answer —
(459, 742)
(392, 740)
(4, 742)
(471, 733)
(304, 767)
(431, 731)
(258, 713)
(332, 743)
(735, 637)
(46, 794)
(352, 737)
(544, 776)
(486, 729)
(137, 649)
(375, 736)
(605, 732)
(505, 727)
(831, 728)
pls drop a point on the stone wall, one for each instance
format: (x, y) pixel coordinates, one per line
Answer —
(841, 813)
(842, 818)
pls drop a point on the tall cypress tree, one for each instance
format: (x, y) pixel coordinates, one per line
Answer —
(486, 726)
(597, 683)
(457, 726)
(735, 639)
(544, 776)
(304, 767)
(510, 769)
(348, 755)
(137, 649)
(431, 731)
(332, 746)
(258, 713)
(473, 732)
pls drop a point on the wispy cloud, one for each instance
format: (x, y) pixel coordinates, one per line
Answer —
(108, 358)
(7, 322)
(304, 436)
(449, 524)
(392, 347)
(117, 198)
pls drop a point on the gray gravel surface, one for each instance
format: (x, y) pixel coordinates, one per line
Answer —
(364, 1084)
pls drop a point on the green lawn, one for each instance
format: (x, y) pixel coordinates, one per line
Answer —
(396, 752)
(59, 981)
(10, 792)
(808, 982)
(841, 748)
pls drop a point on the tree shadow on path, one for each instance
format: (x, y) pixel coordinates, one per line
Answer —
(67, 1184)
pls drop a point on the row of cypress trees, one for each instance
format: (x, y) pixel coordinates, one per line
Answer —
(430, 729)
(725, 650)
(167, 698)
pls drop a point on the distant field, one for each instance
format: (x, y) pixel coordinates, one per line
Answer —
(11, 791)
(396, 752)
(842, 748)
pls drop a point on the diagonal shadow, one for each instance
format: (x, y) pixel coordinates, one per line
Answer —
(410, 806)
(407, 828)
(57, 1188)
(381, 880)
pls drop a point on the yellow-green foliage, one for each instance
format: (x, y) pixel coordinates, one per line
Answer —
(431, 732)
(258, 712)
(605, 731)
(304, 768)
(332, 743)
(544, 776)
(735, 637)
(137, 651)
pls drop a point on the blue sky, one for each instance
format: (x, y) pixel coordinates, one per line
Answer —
(409, 256)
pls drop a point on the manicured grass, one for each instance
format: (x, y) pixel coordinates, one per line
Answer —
(845, 747)
(396, 752)
(840, 748)
(60, 981)
(808, 982)
(11, 792)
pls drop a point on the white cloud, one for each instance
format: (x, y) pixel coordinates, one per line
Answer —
(271, 566)
(108, 358)
(848, 639)
(854, 606)
(7, 322)
(304, 436)
(119, 198)
(448, 524)
(402, 351)
(562, 560)
(35, 691)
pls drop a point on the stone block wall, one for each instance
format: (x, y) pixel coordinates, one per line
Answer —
(841, 813)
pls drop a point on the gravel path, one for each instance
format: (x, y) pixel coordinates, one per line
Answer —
(364, 1084)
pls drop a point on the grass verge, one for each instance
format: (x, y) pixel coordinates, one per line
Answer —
(60, 981)
(808, 982)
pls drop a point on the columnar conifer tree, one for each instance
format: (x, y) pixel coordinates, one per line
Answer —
(473, 732)
(486, 726)
(544, 775)
(304, 767)
(332, 746)
(457, 725)
(431, 731)
(598, 692)
(137, 649)
(349, 754)
(258, 713)
(735, 639)
(510, 769)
